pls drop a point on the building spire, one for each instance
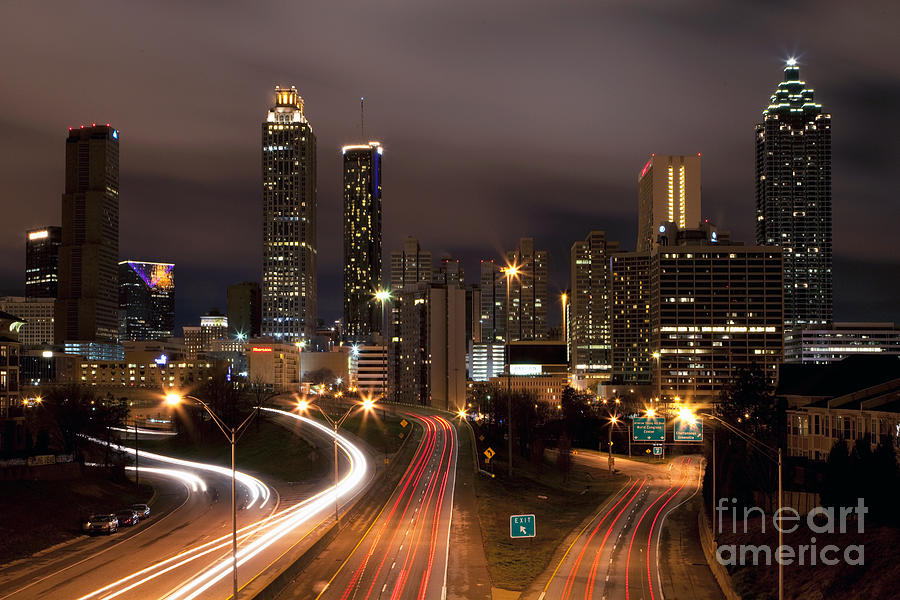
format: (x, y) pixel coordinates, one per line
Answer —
(362, 117)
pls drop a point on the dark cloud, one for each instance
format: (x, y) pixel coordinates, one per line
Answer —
(499, 119)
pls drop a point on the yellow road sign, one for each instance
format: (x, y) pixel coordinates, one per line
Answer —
(404, 423)
(489, 453)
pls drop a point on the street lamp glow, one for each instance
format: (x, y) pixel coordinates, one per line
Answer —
(303, 405)
(512, 270)
(656, 355)
(614, 419)
(383, 295)
(368, 404)
(651, 412)
(686, 414)
(173, 399)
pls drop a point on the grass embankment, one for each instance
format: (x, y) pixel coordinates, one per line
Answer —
(39, 514)
(559, 505)
(265, 447)
(877, 577)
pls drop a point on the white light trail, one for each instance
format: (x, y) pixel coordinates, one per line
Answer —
(189, 479)
(143, 431)
(253, 538)
(256, 488)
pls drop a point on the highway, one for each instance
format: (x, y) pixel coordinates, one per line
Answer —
(186, 554)
(404, 553)
(617, 555)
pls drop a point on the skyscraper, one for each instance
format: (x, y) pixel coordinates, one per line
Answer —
(668, 192)
(493, 303)
(362, 239)
(590, 344)
(528, 292)
(146, 300)
(289, 293)
(451, 272)
(87, 307)
(630, 318)
(793, 196)
(410, 265)
(42, 262)
(244, 315)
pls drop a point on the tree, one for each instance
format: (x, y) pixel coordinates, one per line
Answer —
(74, 411)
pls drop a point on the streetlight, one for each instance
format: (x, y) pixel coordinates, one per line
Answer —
(231, 434)
(613, 420)
(367, 404)
(773, 454)
(510, 272)
(300, 346)
(383, 296)
(656, 356)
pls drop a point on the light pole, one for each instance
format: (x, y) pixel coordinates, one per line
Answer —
(656, 356)
(773, 454)
(510, 271)
(231, 434)
(383, 296)
(613, 420)
(366, 405)
(301, 346)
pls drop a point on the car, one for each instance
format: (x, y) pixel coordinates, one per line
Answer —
(142, 510)
(128, 517)
(101, 523)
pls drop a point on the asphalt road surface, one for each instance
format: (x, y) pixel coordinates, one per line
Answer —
(617, 555)
(186, 553)
(404, 554)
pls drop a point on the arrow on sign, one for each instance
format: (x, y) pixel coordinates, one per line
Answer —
(522, 530)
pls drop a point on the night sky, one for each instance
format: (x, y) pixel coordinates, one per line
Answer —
(499, 119)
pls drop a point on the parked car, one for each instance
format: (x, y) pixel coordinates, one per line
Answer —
(142, 510)
(101, 523)
(128, 517)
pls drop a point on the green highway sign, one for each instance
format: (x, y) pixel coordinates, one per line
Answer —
(649, 429)
(689, 430)
(657, 450)
(521, 526)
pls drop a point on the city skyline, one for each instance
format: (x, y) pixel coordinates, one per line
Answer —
(402, 117)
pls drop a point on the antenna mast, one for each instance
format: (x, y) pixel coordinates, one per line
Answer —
(362, 117)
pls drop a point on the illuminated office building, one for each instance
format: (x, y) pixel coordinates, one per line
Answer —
(715, 309)
(410, 265)
(793, 197)
(630, 317)
(87, 307)
(493, 302)
(289, 293)
(38, 315)
(589, 331)
(362, 239)
(528, 292)
(668, 192)
(146, 300)
(42, 262)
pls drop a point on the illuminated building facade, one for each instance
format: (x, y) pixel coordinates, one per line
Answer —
(493, 303)
(10, 349)
(668, 192)
(277, 366)
(38, 314)
(793, 197)
(410, 265)
(826, 344)
(289, 293)
(362, 239)
(630, 317)
(42, 262)
(589, 309)
(87, 307)
(146, 300)
(528, 292)
(432, 346)
(715, 309)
